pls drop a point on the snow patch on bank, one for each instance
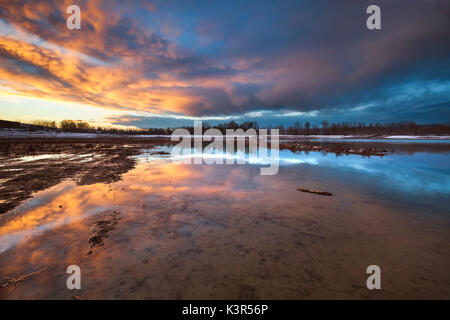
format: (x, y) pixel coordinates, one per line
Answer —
(12, 133)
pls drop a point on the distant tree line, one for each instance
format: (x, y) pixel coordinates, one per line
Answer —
(363, 128)
(299, 128)
(82, 126)
(341, 128)
(85, 127)
(224, 126)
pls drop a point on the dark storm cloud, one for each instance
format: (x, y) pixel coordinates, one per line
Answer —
(314, 55)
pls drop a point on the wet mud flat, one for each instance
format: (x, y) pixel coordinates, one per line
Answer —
(33, 164)
(334, 148)
(364, 148)
(30, 165)
(162, 230)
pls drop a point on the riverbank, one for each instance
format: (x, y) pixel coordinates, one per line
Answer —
(24, 134)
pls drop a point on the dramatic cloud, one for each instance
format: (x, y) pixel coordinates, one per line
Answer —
(229, 59)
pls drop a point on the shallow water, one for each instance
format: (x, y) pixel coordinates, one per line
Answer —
(404, 141)
(225, 231)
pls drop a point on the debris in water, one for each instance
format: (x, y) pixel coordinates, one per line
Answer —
(322, 193)
(162, 153)
(13, 281)
(101, 230)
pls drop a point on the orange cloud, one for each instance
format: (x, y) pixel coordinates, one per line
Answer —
(109, 63)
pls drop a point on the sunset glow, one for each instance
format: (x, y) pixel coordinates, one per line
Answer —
(166, 63)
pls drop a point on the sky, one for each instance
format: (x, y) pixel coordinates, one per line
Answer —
(166, 63)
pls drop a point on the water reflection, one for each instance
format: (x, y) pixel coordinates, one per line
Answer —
(423, 172)
(190, 224)
(154, 176)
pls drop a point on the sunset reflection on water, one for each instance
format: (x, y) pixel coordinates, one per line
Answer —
(220, 231)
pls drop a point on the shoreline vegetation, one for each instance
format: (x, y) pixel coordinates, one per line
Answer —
(353, 130)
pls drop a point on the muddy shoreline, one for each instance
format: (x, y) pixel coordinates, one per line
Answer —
(33, 164)
(338, 149)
